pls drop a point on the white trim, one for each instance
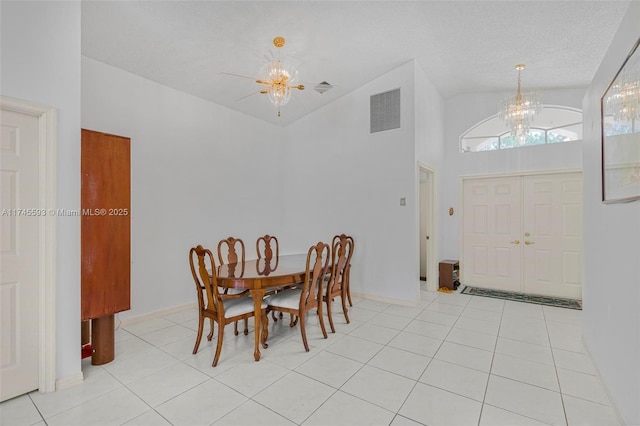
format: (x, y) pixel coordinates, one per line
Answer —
(518, 173)
(603, 383)
(70, 381)
(158, 314)
(47, 144)
(391, 300)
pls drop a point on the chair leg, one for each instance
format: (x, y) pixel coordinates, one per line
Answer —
(235, 328)
(303, 331)
(329, 302)
(273, 315)
(199, 337)
(219, 345)
(321, 319)
(344, 307)
(265, 329)
(349, 294)
(246, 326)
(210, 335)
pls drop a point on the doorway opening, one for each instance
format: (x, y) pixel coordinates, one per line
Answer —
(427, 230)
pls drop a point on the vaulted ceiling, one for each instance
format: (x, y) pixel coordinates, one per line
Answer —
(463, 46)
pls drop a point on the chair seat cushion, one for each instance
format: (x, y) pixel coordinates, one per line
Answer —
(289, 299)
(239, 306)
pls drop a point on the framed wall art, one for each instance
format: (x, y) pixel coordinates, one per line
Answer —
(620, 106)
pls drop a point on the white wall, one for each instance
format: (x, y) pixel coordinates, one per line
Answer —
(339, 178)
(41, 63)
(611, 287)
(463, 112)
(199, 173)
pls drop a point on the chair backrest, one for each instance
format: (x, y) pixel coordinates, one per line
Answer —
(264, 247)
(205, 277)
(317, 267)
(228, 250)
(341, 252)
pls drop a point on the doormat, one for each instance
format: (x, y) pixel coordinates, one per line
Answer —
(522, 297)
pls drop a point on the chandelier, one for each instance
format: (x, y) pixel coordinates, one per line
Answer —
(624, 98)
(279, 77)
(519, 111)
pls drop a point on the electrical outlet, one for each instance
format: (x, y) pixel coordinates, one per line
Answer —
(403, 201)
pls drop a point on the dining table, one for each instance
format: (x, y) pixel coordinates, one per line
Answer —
(259, 276)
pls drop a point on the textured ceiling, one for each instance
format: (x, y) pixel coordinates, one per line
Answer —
(463, 46)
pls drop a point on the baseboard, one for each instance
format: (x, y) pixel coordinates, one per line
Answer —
(612, 401)
(67, 382)
(385, 299)
(157, 314)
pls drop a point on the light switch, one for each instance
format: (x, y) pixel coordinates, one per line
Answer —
(403, 201)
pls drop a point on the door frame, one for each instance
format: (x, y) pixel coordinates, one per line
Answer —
(432, 220)
(47, 144)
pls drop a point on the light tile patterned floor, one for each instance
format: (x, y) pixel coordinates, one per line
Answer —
(454, 360)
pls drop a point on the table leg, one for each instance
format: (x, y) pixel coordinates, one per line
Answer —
(257, 295)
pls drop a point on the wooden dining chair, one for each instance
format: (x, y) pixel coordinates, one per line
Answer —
(219, 307)
(341, 252)
(300, 300)
(348, 267)
(265, 246)
(227, 254)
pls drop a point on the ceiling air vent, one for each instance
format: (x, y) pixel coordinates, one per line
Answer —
(323, 87)
(385, 111)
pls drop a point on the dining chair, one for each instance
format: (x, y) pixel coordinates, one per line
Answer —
(228, 249)
(265, 246)
(348, 267)
(219, 307)
(300, 300)
(341, 252)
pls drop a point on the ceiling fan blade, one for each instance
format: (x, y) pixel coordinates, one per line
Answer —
(237, 75)
(250, 94)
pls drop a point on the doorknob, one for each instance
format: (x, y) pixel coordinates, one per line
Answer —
(529, 243)
(515, 242)
(427, 237)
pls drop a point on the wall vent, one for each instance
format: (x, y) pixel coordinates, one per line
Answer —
(385, 111)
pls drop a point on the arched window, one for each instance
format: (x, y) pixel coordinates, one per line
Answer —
(554, 124)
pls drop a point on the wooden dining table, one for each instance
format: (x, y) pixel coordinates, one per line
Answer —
(260, 275)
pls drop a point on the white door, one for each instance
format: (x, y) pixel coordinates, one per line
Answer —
(524, 234)
(492, 233)
(552, 238)
(19, 251)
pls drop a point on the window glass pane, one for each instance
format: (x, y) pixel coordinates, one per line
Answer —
(554, 124)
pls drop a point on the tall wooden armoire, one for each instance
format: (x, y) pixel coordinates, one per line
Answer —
(105, 237)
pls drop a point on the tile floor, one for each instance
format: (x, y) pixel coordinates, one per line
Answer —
(454, 360)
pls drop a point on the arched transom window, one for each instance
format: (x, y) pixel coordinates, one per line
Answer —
(554, 124)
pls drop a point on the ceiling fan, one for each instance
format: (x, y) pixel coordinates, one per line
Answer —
(278, 78)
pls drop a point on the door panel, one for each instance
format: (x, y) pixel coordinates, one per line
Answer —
(491, 224)
(553, 218)
(19, 253)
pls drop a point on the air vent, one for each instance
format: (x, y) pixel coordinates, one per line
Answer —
(385, 111)
(323, 87)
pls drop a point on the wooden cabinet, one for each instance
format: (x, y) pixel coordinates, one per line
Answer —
(446, 270)
(105, 234)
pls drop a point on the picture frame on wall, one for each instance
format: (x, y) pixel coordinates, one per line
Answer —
(620, 122)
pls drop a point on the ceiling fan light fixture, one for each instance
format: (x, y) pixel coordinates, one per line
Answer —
(519, 111)
(279, 76)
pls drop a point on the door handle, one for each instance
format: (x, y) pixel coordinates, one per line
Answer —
(515, 242)
(529, 243)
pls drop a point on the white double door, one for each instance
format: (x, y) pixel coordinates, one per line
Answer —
(524, 233)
